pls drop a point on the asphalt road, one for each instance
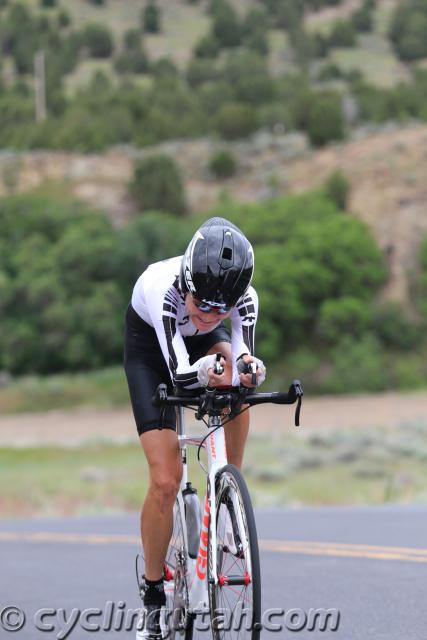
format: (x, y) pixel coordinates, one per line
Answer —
(368, 565)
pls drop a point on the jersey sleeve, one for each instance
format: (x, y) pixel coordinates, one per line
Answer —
(243, 320)
(164, 317)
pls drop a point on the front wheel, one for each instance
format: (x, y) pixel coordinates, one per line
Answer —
(180, 621)
(235, 596)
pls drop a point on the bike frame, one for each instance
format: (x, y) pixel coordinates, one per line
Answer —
(197, 569)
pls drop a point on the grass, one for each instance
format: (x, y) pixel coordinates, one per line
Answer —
(341, 467)
(105, 388)
(374, 58)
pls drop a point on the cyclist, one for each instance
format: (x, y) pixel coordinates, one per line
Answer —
(174, 329)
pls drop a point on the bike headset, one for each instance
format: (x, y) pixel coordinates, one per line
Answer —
(218, 266)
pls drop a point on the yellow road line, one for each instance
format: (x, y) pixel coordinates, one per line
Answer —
(403, 554)
(304, 547)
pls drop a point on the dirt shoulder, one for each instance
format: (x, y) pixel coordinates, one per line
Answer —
(72, 428)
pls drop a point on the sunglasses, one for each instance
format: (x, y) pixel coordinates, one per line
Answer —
(208, 307)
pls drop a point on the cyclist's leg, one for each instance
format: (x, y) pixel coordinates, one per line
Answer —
(236, 431)
(163, 456)
(145, 370)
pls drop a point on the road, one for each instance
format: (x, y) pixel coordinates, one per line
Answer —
(368, 563)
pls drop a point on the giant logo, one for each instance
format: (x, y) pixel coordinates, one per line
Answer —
(202, 556)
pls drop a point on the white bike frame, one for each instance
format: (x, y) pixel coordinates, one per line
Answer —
(197, 569)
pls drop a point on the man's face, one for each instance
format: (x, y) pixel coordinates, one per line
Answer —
(202, 320)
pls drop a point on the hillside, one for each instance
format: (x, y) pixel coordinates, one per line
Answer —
(386, 167)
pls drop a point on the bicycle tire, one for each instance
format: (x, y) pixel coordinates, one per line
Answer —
(238, 562)
(180, 621)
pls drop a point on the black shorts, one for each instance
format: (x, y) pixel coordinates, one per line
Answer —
(146, 368)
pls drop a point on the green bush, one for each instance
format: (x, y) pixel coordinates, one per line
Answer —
(363, 20)
(408, 29)
(325, 119)
(157, 185)
(236, 120)
(48, 4)
(64, 19)
(394, 328)
(288, 14)
(62, 308)
(222, 164)
(306, 253)
(249, 78)
(255, 31)
(357, 365)
(207, 47)
(151, 18)
(343, 34)
(98, 40)
(226, 27)
(345, 316)
(337, 188)
(201, 70)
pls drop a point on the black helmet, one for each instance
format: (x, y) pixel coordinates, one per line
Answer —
(218, 265)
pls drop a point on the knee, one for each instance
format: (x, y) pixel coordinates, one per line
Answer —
(165, 485)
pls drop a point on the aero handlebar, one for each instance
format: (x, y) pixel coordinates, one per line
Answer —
(213, 400)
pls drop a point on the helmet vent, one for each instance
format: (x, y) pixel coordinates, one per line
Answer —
(227, 254)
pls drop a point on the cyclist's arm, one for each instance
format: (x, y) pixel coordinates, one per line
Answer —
(243, 322)
(164, 319)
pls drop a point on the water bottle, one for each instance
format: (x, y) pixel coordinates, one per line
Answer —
(193, 516)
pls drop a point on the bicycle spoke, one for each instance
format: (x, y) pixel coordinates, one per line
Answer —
(235, 600)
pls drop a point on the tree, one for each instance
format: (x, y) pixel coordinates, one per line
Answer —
(235, 120)
(151, 18)
(61, 307)
(157, 185)
(99, 40)
(337, 188)
(226, 27)
(325, 119)
(222, 164)
(343, 34)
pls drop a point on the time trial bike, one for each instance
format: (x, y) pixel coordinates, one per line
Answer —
(212, 566)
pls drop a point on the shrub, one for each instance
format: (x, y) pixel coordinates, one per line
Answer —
(408, 29)
(222, 164)
(345, 316)
(157, 185)
(99, 40)
(48, 4)
(151, 18)
(249, 77)
(362, 20)
(325, 119)
(337, 188)
(62, 309)
(394, 328)
(200, 71)
(236, 120)
(226, 27)
(64, 19)
(343, 34)
(207, 47)
(357, 365)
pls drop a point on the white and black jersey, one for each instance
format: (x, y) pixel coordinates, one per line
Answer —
(158, 300)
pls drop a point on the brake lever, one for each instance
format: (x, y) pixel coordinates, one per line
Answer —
(297, 392)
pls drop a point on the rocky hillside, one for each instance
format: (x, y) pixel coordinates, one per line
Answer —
(387, 169)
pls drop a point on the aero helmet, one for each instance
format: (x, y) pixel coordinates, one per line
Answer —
(218, 265)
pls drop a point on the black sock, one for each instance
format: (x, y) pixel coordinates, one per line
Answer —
(155, 592)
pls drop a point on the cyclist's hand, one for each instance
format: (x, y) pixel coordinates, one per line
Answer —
(246, 378)
(215, 379)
